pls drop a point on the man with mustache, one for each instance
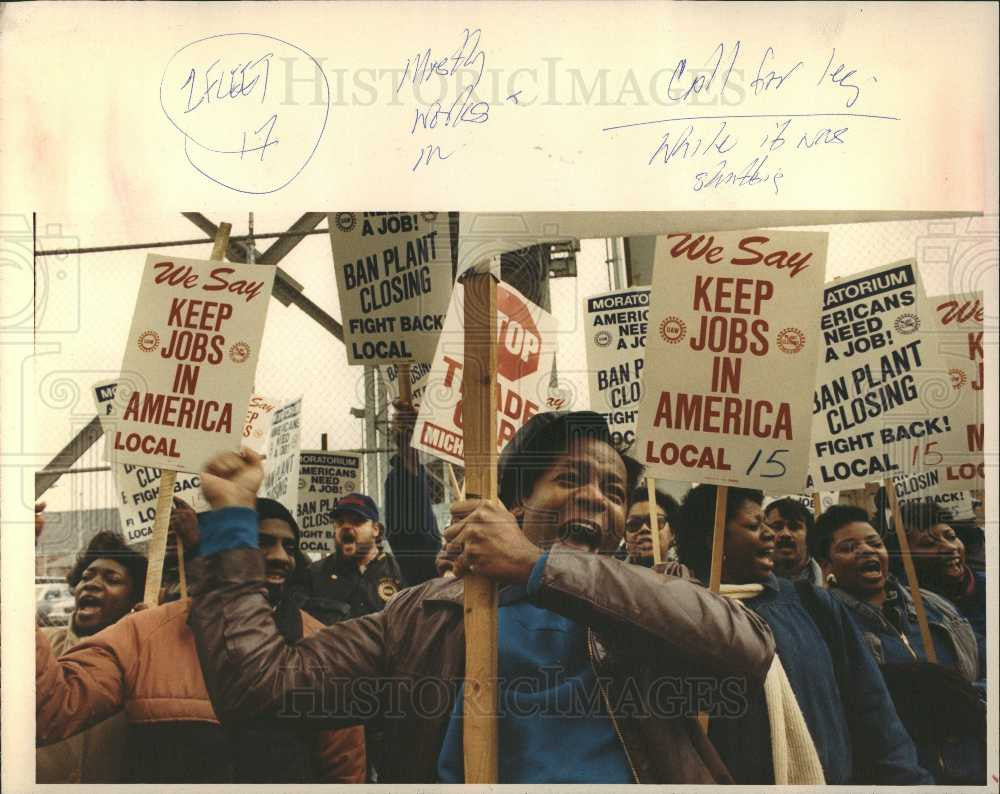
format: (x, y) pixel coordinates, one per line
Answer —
(146, 665)
(792, 524)
(599, 656)
(845, 703)
(359, 577)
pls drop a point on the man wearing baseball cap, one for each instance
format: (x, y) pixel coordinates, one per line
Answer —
(359, 577)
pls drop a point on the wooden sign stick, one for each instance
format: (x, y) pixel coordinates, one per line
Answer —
(911, 572)
(718, 553)
(181, 573)
(817, 505)
(479, 415)
(718, 538)
(457, 490)
(405, 387)
(157, 550)
(654, 524)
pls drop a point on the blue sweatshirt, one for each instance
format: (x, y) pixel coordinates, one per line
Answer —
(553, 723)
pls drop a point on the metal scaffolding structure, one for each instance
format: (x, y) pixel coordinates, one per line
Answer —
(528, 270)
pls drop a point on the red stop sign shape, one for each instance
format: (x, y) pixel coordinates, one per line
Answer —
(519, 343)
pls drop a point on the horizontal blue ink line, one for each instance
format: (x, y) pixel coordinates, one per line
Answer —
(751, 116)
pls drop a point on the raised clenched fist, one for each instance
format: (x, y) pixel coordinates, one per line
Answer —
(231, 480)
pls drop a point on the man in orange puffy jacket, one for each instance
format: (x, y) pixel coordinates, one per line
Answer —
(146, 664)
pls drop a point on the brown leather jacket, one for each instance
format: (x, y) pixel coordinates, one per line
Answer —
(406, 661)
(146, 665)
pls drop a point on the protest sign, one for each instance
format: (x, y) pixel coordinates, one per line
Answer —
(418, 381)
(526, 340)
(281, 468)
(957, 505)
(731, 359)
(959, 338)
(257, 426)
(139, 486)
(192, 351)
(394, 277)
(875, 414)
(324, 477)
(827, 499)
(616, 347)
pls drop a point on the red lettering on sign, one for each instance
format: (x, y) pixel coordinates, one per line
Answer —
(519, 342)
(954, 312)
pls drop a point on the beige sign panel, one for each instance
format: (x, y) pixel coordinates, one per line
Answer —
(959, 339)
(191, 355)
(878, 407)
(616, 324)
(323, 478)
(139, 486)
(730, 358)
(394, 279)
(281, 467)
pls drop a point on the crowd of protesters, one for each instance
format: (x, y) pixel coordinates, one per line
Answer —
(807, 667)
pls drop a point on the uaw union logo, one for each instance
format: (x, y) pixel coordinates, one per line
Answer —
(672, 330)
(149, 341)
(349, 486)
(907, 323)
(958, 378)
(602, 338)
(345, 221)
(430, 217)
(791, 340)
(239, 352)
(387, 588)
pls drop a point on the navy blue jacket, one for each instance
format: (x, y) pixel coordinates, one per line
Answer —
(972, 606)
(843, 698)
(893, 636)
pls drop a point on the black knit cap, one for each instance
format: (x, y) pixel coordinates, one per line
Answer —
(270, 508)
(541, 440)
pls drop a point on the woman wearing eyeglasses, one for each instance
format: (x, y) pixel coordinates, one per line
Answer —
(638, 532)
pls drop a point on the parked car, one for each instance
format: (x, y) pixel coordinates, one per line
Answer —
(54, 603)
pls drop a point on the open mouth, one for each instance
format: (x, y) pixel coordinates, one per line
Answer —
(276, 575)
(88, 605)
(766, 556)
(581, 533)
(787, 547)
(952, 565)
(870, 568)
